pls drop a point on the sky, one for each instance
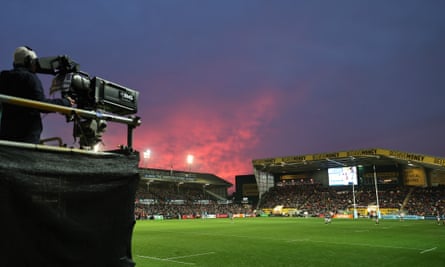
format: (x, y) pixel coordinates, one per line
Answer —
(236, 80)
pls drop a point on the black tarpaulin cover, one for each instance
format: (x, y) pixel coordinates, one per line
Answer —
(62, 208)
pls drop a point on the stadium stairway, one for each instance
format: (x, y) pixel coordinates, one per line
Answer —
(215, 195)
(405, 201)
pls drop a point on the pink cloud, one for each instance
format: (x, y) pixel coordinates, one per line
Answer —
(219, 134)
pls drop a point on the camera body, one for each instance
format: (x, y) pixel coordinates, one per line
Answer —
(96, 93)
(90, 93)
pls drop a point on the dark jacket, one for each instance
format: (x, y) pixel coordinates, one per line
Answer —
(20, 123)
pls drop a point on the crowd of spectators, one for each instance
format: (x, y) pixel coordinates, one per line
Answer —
(317, 199)
(175, 200)
(171, 200)
(426, 201)
(191, 210)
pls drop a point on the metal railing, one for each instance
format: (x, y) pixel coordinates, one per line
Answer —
(131, 121)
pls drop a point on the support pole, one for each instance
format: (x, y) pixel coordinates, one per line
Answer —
(376, 193)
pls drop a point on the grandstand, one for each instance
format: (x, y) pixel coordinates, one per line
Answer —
(350, 184)
(169, 194)
(378, 180)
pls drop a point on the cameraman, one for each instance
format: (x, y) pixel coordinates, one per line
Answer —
(19, 123)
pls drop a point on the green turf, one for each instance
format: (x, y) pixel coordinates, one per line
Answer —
(288, 242)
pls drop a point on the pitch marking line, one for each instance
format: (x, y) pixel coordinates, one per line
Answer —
(313, 241)
(160, 259)
(318, 241)
(297, 240)
(172, 259)
(192, 255)
(428, 250)
(364, 245)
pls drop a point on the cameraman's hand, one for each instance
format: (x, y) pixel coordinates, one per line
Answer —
(72, 101)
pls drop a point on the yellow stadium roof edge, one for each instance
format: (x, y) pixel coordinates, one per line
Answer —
(368, 156)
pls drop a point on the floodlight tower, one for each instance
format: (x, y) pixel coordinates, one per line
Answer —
(190, 161)
(147, 155)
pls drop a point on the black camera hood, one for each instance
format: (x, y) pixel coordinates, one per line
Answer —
(56, 64)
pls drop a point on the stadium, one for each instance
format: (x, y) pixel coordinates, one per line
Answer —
(362, 207)
(64, 206)
(350, 184)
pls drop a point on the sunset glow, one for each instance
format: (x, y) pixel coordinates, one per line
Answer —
(232, 81)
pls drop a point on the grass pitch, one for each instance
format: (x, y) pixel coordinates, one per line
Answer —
(288, 242)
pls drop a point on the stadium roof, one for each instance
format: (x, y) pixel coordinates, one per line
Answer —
(182, 177)
(365, 157)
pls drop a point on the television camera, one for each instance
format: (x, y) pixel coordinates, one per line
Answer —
(90, 93)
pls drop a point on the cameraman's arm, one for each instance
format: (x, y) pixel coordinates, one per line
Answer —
(37, 94)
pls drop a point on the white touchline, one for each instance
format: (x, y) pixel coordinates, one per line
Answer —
(161, 259)
(427, 250)
(192, 255)
(358, 244)
(172, 259)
